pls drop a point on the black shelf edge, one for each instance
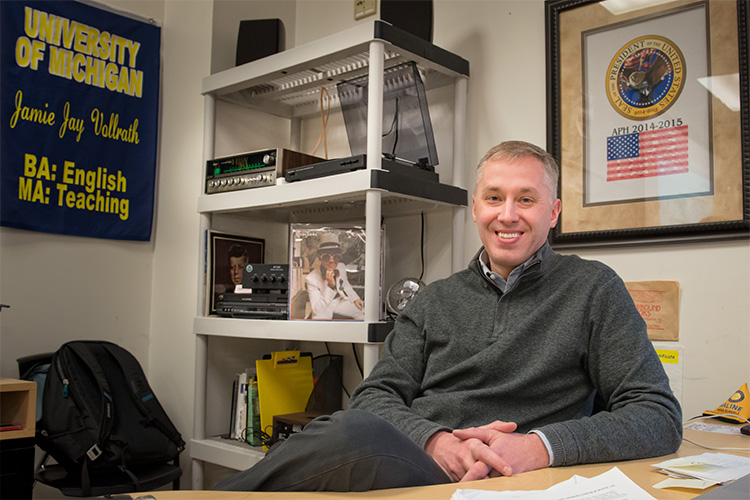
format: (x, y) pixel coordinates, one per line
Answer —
(422, 48)
(428, 190)
(377, 332)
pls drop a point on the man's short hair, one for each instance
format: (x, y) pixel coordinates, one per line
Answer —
(515, 150)
(237, 250)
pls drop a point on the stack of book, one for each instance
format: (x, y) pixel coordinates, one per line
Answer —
(245, 413)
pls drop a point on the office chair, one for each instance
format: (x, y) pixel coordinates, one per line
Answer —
(102, 483)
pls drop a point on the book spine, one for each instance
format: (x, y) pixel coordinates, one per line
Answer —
(233, 410)
(253, 414)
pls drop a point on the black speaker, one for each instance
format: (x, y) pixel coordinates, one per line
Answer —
(259, 38)
(414, 16)
(328, 371)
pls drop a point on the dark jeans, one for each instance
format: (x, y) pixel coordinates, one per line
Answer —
(351, 450)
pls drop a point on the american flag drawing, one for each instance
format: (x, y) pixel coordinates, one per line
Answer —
(647, 154)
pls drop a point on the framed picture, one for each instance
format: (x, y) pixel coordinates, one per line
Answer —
(228, 255)
(647, 114)
(327, 271)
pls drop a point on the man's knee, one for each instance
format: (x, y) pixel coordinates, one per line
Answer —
(351, 427)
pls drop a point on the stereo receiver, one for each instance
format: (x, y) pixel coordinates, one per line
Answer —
(266, 294)
(252, 169)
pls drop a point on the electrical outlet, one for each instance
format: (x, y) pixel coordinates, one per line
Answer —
(364, 8)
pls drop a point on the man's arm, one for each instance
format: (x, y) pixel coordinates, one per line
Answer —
(641, 417)
(396, 379)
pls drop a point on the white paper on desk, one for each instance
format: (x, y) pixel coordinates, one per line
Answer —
(718, 428)
(610, 484)
(692, 483)
(718, 467)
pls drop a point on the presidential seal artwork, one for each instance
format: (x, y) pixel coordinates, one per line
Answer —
(649, 144)
(645, 77)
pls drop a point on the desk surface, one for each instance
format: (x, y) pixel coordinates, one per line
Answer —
(639, 471)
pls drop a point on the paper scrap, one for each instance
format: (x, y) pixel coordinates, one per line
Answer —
(692, 483)
(718, 467)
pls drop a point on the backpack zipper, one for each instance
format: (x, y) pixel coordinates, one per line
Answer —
(63, 378)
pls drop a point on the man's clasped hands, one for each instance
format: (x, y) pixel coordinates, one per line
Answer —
(491, 450)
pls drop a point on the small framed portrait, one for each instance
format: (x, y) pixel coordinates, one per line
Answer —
(228, 255)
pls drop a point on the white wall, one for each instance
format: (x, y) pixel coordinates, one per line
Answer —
(142, 295)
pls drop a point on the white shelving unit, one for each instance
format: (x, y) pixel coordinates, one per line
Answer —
(288, 85)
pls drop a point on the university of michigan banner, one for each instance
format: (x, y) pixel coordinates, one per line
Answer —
(79, 131)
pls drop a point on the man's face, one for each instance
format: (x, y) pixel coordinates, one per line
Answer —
(513, 211)
(236, 263)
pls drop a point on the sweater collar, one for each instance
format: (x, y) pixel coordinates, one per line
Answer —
(543, 257)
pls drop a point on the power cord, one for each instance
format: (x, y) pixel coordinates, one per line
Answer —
(706, 417)
(421, 246)
(265, 439)
(394, 129)
(356, 358)
(324, 114)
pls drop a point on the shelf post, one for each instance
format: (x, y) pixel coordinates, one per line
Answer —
(201, 351)
(373, 198)
(199, 405)
(375, 104)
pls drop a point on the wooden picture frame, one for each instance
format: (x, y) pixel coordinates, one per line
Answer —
(223, 248)
(650, 149)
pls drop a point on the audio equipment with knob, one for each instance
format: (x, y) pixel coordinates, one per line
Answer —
(266, 294)
(252, 169)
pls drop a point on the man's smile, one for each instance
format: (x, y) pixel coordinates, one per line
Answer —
(506, 235)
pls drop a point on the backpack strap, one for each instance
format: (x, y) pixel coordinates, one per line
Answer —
(81, 349)
(143, 395)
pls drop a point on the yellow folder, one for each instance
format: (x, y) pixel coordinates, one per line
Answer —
(285, 383)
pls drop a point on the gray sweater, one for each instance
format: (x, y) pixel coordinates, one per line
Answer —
(563, 351)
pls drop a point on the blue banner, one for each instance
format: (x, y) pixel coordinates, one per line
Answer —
(79, 133)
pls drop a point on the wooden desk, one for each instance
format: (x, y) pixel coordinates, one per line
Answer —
(640, 472)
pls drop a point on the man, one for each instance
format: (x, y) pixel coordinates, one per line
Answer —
(526, 359)
(331, 294)
(238, 259)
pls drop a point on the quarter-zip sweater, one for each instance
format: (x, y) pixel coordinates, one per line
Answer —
(563, 351)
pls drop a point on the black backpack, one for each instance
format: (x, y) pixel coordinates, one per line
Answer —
(99, 412)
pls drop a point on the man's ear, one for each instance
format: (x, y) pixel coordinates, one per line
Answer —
(556, 207)
(473, 208)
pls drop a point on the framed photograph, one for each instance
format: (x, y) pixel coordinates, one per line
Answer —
(647, 113)
(228, 255)
(327, 270)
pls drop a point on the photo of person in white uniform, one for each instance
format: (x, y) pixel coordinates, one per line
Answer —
(330, 293)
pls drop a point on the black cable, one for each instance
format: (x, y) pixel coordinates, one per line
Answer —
(395, 140)
(421, 247)
(393, 123)
(356, 358)
(394, 128)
